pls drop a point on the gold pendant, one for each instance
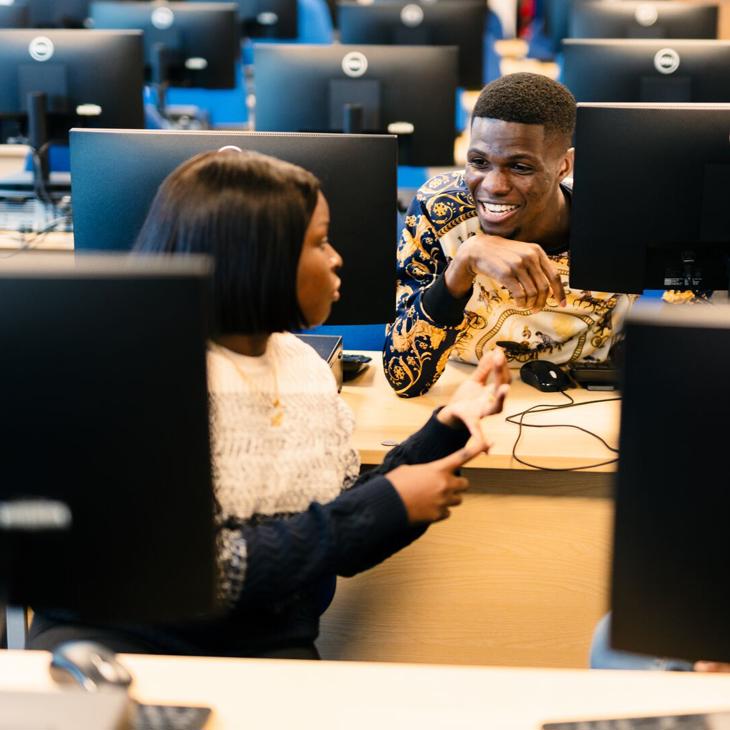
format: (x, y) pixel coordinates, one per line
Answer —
(278, 415)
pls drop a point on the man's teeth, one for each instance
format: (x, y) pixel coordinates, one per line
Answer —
(495, 208)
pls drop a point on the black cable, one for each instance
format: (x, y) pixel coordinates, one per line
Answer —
(28, 241)
(546, 407)
(39, 184)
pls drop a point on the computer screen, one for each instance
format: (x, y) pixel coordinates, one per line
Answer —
(458, 23)
(639, 19)
(90, 79)
(115, 175)
(650, 200)
(647, 70)
(185, 44)
(670, 588)
(267, 18)
(556, 21)
(58, 13)
(14, 15)
(105, 416)
(302, 88)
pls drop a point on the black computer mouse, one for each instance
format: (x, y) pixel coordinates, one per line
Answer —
(544, 375)
(90, 665)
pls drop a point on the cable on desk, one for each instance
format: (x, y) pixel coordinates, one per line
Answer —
(519, 420)
(29, 240)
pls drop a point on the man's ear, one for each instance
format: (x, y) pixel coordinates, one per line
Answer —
(566, 164)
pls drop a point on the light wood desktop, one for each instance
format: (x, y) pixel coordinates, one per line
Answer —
(334, 696)
(518, 575)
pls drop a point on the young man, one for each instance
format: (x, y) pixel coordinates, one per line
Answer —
(483, 258)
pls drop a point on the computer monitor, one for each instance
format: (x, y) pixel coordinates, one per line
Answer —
(647, 70)
(556, 21)
(14, 15)
(670, 588)
(58, 13)
(458, 23)
(302, 88)
(185, 43)
(267, 18)
(115, 176)
(51, 80)
(639, 19)
(650, 201)
(105, 437)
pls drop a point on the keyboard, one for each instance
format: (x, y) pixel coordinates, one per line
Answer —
(170, 717)
(710, 721)
(24, 213)
(595, 375)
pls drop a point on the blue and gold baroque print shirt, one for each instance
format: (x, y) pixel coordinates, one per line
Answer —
(431, 326)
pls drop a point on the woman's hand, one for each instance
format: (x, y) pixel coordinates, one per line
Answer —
(481, 395)
(429, 490)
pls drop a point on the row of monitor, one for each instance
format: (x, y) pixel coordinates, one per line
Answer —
(627, 19)
(187, 24)
(658, 221)
(299, 88)
(460, 23)
(255, 18)
(563, 18)
(307, 88)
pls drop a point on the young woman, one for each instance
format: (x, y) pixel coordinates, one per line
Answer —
(293, 511)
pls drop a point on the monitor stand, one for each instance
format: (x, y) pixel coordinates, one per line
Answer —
(175, 116)
(354, 104)
(22, 518)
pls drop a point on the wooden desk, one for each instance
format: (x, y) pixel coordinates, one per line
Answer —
(353, 696)
(518, 575)
(12, 242)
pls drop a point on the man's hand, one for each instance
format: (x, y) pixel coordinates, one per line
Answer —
(429, 490)
(711, 667)
(481, 395)
(523, 268)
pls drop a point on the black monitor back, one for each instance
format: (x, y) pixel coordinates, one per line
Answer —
(73, 67)
(458, 23)
(103, 381)
(556, 21)
(267, 18)
(652, 185)
(639, 19)
(115, 175)
(647, 70)
(14, 16)
(202, 38)
(303, 88)
(670, 589)
(58, 13)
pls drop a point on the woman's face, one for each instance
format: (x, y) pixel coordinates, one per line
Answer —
(317, 282)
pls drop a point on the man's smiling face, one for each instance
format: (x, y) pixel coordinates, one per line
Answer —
(513, 172)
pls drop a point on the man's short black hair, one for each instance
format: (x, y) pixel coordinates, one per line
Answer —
(528, 98)
(248, 211)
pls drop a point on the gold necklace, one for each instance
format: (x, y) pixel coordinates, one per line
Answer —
(277, 415)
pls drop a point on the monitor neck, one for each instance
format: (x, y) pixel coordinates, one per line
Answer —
(38, 136)
(352, 118)
(21, 518)
(161, 58)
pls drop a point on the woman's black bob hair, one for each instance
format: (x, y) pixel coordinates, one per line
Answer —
(249, 212)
